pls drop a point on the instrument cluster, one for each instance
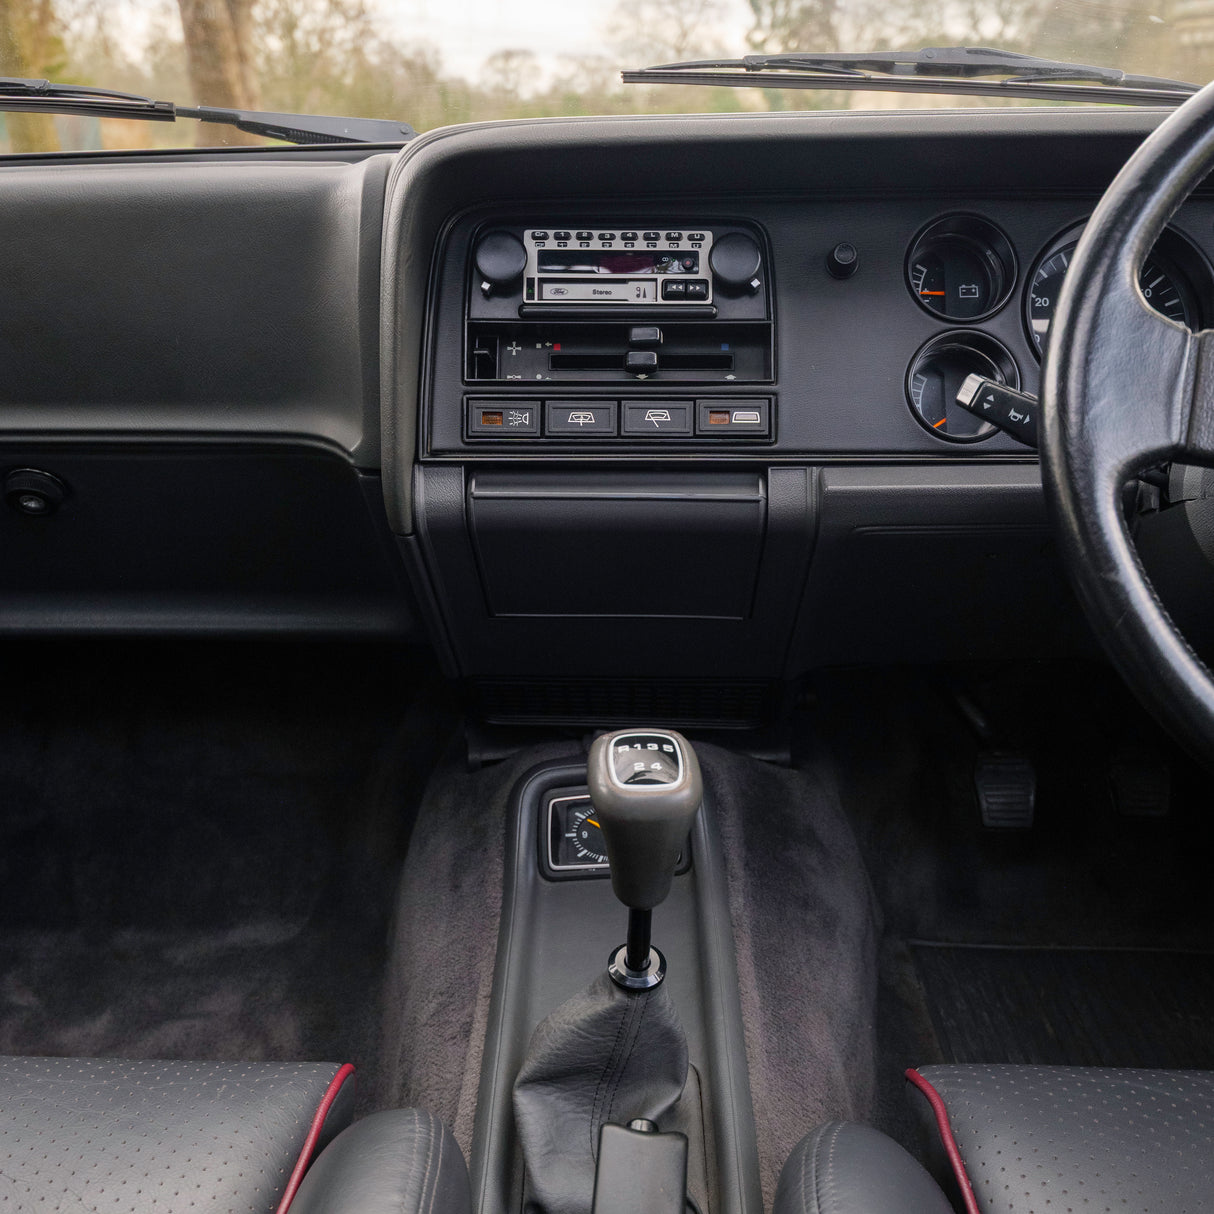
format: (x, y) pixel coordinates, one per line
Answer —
(963, 269)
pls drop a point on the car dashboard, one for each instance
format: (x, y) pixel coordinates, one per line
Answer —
(625, 417)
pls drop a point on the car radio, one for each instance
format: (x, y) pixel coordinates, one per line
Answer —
(600, 267)
(617, 265)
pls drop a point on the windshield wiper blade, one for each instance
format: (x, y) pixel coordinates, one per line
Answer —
(951, 69)
(41, 96)
(305, 128)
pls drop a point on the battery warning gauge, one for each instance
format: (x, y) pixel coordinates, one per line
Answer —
(961, 268)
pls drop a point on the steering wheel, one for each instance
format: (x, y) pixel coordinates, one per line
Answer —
(1124, 389)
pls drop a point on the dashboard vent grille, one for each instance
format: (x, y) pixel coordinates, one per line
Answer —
(724, 704)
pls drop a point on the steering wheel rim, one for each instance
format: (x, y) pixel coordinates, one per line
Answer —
(1123, 388)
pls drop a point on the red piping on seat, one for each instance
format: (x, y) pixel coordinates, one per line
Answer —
(309, 1146)
(946, 1137)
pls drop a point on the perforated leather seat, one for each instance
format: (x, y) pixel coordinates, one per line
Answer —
(132, 1137)
(1022, 1140)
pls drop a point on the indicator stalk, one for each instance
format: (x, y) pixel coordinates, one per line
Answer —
(1013, 412)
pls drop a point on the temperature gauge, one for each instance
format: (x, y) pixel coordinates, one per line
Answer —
(939, 370)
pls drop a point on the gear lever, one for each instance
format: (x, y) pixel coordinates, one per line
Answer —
(646, 787)
(615, 1053)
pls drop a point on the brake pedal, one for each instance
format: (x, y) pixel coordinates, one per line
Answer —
(1006, 785)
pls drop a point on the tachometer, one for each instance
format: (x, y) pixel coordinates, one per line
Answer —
(1165, 287)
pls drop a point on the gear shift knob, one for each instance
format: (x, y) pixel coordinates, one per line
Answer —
(646, 787)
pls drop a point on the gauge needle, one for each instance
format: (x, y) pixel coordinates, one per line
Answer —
(931, 292)
(937, 425)
(591, 822)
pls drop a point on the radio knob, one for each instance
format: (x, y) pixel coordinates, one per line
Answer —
(735, 261)
(500, 259)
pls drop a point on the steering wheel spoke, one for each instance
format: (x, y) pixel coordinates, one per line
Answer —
(1143, 378)
(1196, 445)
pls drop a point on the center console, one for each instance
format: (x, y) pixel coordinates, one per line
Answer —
(598, 388)
(556, 936)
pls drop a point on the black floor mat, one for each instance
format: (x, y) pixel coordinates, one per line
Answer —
(1070, 1006)
(199, 846)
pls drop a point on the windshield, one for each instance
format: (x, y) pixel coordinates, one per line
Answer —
(436, 62)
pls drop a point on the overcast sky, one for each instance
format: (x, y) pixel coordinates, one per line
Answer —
(467, 31)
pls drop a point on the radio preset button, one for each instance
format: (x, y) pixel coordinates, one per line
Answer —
(560, 236)
(606, 235)
(628, 236)
(674, 235)
(580, 417)
(585, 236)
(653, 419)
(539, 235)
(653, 235)
(696, 236)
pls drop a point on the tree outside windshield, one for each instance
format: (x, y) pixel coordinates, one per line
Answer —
(436, 62)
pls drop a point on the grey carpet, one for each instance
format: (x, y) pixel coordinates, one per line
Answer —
(444, 940)
(806, 933)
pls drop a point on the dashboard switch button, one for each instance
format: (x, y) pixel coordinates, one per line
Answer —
(733, 417)
(575, 417)
(656, 418)
(505, 418)
(644, 335)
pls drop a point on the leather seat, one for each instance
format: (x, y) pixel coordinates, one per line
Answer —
(135, 1137)
(1022, 1140)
